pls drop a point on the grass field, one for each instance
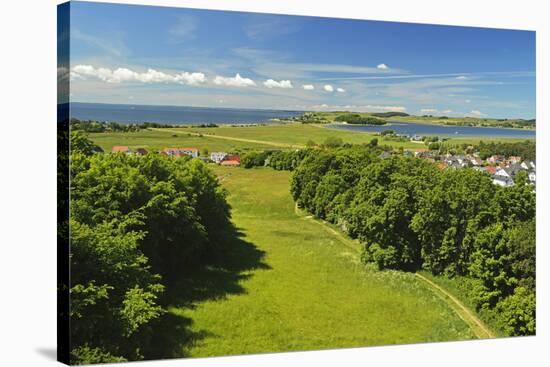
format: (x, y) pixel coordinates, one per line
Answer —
(292, 284)
(230, 139)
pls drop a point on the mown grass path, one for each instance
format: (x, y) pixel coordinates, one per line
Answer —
(292, 284)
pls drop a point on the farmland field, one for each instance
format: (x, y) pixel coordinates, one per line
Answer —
(306, 288)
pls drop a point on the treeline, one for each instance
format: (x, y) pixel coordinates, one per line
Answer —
(276, 159)
(91, 126)
(526, 149)
(138, 225)
(389, 114)
(104, 126)
(355, 118)
(517, 124)
(411, 216)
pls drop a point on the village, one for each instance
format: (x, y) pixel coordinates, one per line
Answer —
(503, 170)
(221, 158)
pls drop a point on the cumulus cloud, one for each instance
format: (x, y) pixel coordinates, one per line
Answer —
(121, 75)
(461, 77)
(328, 88)
(358, 108)
(190, 78)
(270, 83)
(375, 108)
(428, 110)
(236, 81)
(340, 90)
(382, 66)
(476, 113)
(308, 87)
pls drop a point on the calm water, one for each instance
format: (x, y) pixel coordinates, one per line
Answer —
(173, 114)
(441, 130)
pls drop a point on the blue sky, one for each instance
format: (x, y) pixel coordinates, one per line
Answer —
(173, 56)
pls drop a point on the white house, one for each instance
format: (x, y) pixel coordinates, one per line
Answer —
(217, 156)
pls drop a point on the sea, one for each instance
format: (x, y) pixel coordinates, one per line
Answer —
(180, 115)
(411, 128)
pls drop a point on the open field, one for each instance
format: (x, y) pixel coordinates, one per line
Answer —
(162, 138)
(231, 138)
(307, 288)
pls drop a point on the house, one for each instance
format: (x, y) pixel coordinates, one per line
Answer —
(503, 181)
(495, 159)
(122, 149)
(491, 170)
(417, 137)
(231, 160)
(514, 159)
(476, 162)
(217, 156)
(528, 165)
(141, 151)
(502, 172)
(230, 163)
(180, 152)
(421, 153)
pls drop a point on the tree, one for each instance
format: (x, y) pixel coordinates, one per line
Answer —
(333, 142)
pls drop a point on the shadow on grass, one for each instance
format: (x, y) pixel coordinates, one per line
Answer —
(220, 276)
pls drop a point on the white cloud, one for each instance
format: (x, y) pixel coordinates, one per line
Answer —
(270, 83)
(366, 108)
(447, 111)
(190, 78)
(476, 113)
(121, 75)
(236, 81)
(340, 90)
(375, 108)
(461, 77)
(328, 88)
(428, 110)
(382, 66)
(308, 87)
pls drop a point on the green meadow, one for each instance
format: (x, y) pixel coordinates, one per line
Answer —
(295, 284)
(246, 138)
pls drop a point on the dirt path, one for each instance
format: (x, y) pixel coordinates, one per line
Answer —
(478, 327)
(271, 143)
(481, 331)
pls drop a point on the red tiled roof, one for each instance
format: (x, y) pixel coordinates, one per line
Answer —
(491, 170)
(232, 157)
(120, 148)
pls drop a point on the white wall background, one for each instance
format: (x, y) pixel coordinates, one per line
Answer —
(28, 196)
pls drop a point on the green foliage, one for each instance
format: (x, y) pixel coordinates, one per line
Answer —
(333, 142)
(389, 114)
(525, 149)
(355, 118)
(138, 224)
(89, 355)
(409, 216)
(518, 313)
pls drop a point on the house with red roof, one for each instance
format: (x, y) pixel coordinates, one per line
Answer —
(231, 160)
